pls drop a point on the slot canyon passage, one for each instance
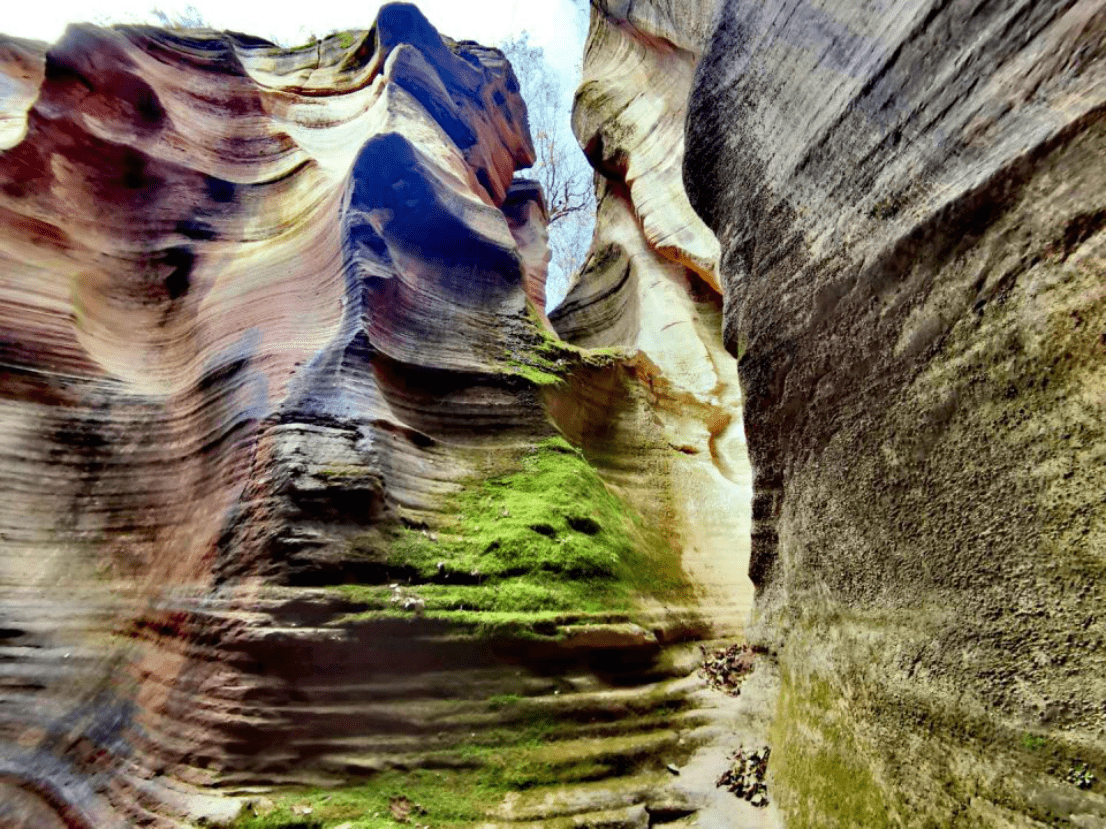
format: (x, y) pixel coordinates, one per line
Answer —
(314, 516)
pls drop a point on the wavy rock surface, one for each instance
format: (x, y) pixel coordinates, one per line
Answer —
(285, 501)
(282, 420)
(650, 286)
(909, 201)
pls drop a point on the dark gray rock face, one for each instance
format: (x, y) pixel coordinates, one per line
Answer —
(909, 198)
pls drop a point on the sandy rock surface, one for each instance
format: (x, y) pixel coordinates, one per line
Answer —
(284, 425)
(909, 201)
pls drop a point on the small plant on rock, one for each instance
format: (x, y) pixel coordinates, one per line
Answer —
(1081, 777)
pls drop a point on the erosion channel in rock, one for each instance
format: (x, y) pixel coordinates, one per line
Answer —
(313, 516)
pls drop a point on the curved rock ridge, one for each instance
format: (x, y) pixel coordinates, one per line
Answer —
(650, 289)
(264, 165)
(187, 222)
(282, 416)
(23, 69)
(650, 286)
(909, 201)
(629, 112)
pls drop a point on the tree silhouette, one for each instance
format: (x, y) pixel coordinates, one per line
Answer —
(561, 168)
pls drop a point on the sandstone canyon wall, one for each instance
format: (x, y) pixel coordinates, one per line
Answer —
(305, 488)
(288, 495)
(650, 286)
(909, 200)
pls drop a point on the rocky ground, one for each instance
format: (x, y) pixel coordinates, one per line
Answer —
(608, 759)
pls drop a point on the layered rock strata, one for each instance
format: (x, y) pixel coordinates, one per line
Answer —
(302, 487)
(650, 286)
(908, 202)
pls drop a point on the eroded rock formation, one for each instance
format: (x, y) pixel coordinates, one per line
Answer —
(289, 495)
(650, 286)
(909, 203)
(303, 488)
(909, 200)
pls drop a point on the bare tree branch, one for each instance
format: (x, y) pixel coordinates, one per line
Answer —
(180, 19)
(560, 168)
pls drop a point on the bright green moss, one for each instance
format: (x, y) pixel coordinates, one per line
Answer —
(538, 373)
(500, 701)
(1033, 742)
(525, 758)
(546, 360)
(520, 756)
(435, 798)
(526, 546)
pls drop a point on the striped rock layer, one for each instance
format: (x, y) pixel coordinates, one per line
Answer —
(304, 488)
(907, 202)
(283, 427)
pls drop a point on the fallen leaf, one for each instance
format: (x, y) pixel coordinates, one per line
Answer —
(401, 808)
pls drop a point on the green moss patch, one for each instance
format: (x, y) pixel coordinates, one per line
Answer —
(545, 360)
(430, 798)
(421, 797)
(527, 545)
(524, 755)
(819, 776)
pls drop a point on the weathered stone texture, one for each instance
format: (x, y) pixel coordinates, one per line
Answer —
(909, 198)
(233, 277)
(279, 414)
(650, 286)
(272, 323)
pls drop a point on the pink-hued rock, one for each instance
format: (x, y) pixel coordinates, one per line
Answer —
(208, 243)
(271, 326)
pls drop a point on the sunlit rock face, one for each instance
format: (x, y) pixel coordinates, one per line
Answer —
(909, 198)
(284, 502)
(650, 286)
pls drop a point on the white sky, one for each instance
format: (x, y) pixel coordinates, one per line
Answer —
(558, 26)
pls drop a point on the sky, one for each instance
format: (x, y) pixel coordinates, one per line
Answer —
(558, 26)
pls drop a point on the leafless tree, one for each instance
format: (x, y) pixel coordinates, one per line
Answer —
(561, 168)
(180, 19)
